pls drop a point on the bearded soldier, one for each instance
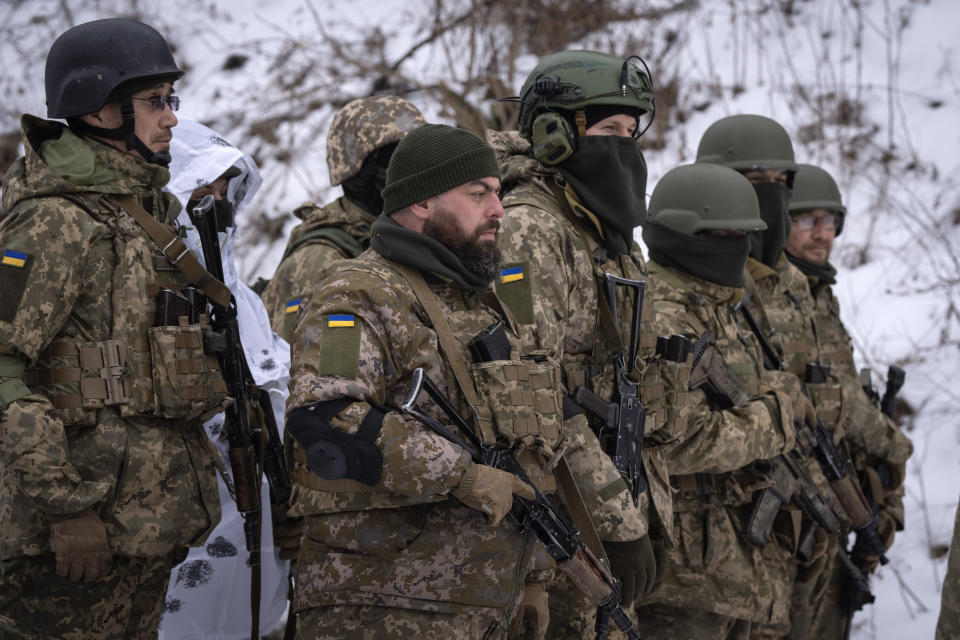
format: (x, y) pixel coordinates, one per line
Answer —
(716, 584)
(877, 448)
(361, 140)
(404, 532)
(575, 181)
(108, 475)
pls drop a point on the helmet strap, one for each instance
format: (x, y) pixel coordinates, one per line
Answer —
(580, 118)
(134, 143)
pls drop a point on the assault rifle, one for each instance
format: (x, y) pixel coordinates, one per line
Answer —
(895, 379)
(819, 441)
(621, 431)
(245, 440)
(540, 515)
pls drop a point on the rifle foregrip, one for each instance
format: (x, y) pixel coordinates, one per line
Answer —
(853, 501)
(244, 468)
(586, 577)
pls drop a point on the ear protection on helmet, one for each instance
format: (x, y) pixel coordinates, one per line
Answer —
(553, 139)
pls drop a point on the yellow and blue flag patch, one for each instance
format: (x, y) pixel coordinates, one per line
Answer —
(341, 320)
(293, 306)
(14, 258)
(511, 274)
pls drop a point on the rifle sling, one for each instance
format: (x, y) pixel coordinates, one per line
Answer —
(176, 251)
(578, 510)
(448, 344)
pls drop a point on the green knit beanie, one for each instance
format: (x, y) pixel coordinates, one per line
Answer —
(432, 159)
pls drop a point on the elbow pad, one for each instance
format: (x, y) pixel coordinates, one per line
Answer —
(333, 454)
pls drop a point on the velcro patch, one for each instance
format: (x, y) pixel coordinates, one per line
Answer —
(515, 290)
(339, 347)
(293, 306)
(14, 270)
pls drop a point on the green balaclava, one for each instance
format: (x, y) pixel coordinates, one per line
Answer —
(429, 161)
(691, 201)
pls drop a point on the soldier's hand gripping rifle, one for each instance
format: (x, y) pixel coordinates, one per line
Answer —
(244, 439)
(540, 515)
(621, 434)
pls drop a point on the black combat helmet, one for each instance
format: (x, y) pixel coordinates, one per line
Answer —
(92, 61)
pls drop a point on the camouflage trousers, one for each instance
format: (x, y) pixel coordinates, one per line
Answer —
(124, 604)
(371, 622)
(817, 607)
(664, 621)
(572, 615)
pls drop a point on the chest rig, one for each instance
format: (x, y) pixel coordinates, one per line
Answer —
(148, 366)
(514, 401)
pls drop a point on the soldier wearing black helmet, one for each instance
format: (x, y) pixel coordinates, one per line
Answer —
(107, 474)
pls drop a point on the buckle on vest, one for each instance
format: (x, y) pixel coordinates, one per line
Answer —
(114, 354)
(173, 242)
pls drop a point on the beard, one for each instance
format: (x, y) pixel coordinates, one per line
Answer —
(482, 258)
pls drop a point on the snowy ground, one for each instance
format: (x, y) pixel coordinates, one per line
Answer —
(899, 255)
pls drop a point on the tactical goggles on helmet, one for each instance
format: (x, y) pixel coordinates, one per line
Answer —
(159, 103)
(808, 221)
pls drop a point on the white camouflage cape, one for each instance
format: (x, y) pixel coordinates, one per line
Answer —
(209, 593)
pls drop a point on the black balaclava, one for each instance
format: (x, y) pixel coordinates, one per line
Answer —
(363, 188)
(609, 175)
(720, 260)
(774, 199)
(819, 274)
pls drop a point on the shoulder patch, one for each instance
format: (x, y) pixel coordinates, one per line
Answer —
(14, 269)
(514, 288)
(339, 346)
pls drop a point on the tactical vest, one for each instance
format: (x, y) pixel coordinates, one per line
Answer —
(143, 369)
(512, 402)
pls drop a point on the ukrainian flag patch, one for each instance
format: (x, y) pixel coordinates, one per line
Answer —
(293, 306)
(342, 320)
(511, 274)
(14, 258)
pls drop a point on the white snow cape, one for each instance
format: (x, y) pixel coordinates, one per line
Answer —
(209, 593)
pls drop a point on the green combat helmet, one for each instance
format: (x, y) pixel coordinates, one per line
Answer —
(704, 197)
(814, 188)
(570, 81)
(746, 143)
(361, 127)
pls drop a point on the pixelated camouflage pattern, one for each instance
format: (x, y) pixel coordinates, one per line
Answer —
(304, 269)
(805, 322)
(690, 624)
(125, 604)
(561, 317)
(712, 568)
(363, 126)
(403, 543)
(152, 481)
(948, 625)
(352, 622)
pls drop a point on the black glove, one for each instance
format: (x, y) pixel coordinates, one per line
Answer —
(634, 563)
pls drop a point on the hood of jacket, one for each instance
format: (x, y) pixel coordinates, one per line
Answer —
(58, 162)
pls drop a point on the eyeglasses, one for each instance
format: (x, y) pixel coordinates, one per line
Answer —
(160, 103)
(808, 222)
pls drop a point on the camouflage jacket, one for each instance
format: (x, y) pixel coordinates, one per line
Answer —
(404, 542)
(327, 236)
(85, 282)
(948, 624)
(871, 437)
(713, 567)
(807, 329)
(553, 242)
